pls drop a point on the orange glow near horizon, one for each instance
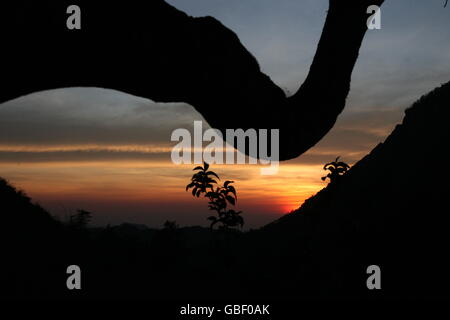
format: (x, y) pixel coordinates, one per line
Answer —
(157, 187)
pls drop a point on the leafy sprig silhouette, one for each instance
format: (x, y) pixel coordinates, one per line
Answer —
(201, 181)
(220, 197)
(337, 169)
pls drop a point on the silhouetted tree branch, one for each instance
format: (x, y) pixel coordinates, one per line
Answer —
(151, 49)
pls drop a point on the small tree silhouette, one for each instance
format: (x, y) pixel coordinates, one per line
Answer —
(81, 219)
(219, 197)
(170, 225)
(337, 169)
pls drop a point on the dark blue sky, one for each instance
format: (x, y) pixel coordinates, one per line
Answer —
(409, 55)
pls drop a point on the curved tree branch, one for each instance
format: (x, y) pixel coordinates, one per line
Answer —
(153, 50)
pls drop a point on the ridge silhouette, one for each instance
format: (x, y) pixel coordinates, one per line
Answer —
(389, 209)
(152, 50)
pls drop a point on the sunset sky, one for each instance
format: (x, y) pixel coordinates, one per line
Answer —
(109, 152)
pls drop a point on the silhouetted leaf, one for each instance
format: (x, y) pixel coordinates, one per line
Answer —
(198, 168)
(227, 183)
(213, 223)
(231, 200)
(212, 173)
(325, 167)
(232, 190)
(343, 164)
(206, 166)
(190, 185)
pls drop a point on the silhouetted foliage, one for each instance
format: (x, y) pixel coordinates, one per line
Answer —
(337, 169)
(219, 197)
(170, 225)
(81, 219)
(202, 181)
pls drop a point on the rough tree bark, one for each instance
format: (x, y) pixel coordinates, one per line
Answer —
(153, 50)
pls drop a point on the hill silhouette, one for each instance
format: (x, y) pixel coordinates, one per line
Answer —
(16, 201)
(28, 235)
(389, 209)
